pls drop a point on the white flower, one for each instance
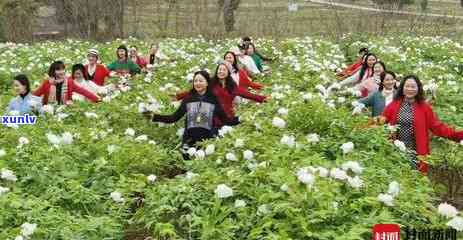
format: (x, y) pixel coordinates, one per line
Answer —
(347, 147)
(224, 130)
(461, 142)
(3, 190)
(180, 132)
(142, 108)
(23, 141)
(151, 178)
(305, 177)
(141, 138)
(19, 237)
(352, 165)
(53, 139)
(90, 115)
(28, 229)
(288, 140)
(283, 111)
(200, 154)
(8, 175)
(387, 199)
(248, 155)
(447, 210)
(117, 197)
(239, 143)
(263, 209)
(456, 223)
(190, 175)
(67, 138)
(130, 132)
(210, 149)
(223, 191)
(2, 152)
(313, 138)
(392, 128)
(322, 172)
(230, 157)
(401, 145)
(394, 188)
(191, 151)
(278, 122)
(284, 187)
(337, 173)
(239, 203)
(48, 109)
(355, 182)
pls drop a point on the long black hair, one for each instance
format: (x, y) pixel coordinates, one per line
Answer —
(56, 65)
(383, 76)
(364, 68)
(206, 75)
(400, 92)
(23, 80)
(77, 67)
(235, 61)
(230, 84)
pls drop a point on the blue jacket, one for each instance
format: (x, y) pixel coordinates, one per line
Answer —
(26, 104)
(376, 101)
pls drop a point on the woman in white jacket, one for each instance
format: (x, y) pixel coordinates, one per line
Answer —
(79, 75)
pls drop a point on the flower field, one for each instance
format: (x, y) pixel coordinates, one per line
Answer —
(298, 167)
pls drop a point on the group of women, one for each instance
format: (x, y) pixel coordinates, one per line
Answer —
(210, 103)
(401, 105)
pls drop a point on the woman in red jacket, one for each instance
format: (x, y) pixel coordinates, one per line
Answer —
(225, 89)
(95, 71)
(239, 75)
(58, 89)
(415, 118)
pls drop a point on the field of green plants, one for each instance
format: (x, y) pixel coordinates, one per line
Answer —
(298, 167)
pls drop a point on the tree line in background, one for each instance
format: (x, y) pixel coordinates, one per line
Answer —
(106, 19)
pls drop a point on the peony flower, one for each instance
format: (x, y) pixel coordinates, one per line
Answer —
(278, 122)
(191, 151)
(224, 130)
(2, 152)
(210, 149)
(111, 148)
(23, 141)
(130, 132)
(347, 147)
(248, 155)
(394, 188)
(141, 138)
(223, 191)
(352, 165)
(401, 145)
(263, 209)
(461, 142)
(53, 139)
(456, 223)
(151, 178)
(313, 138)
(117, 197)
(28, 229)
(190, 175)
(67, 138)
(447, 210)
(337, 173)
(355, 182)
(288, 140)
(387, 199)
(19, 237)
(48, 109)
(305, 177)
(283, 111)
(8, 175)
(90, 115)
(322, 172)
(284, 187)
(200, 154)
(239, 143)
(230, 157)
(240, 203)
(3, 190)
(180, 132)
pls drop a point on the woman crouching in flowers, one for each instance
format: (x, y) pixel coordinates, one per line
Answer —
(80, 76)
(58, 89)
(414, 118)
(24, 102)
(202, 112)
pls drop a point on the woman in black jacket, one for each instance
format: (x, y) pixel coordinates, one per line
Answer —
(202, 112)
